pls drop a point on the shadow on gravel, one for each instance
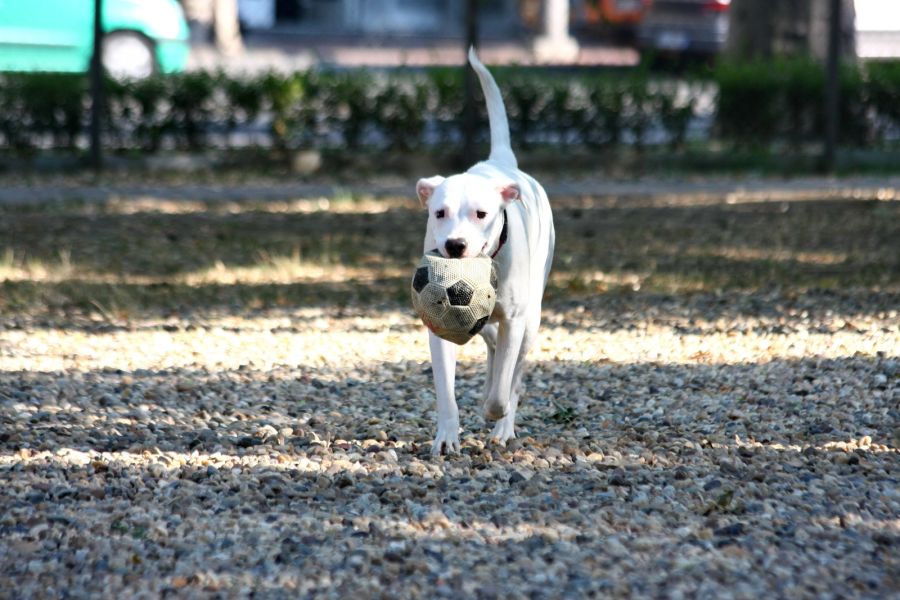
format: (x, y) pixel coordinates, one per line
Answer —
(105, 308)
(180, 410)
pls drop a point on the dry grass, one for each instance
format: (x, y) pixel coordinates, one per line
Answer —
(147, 256)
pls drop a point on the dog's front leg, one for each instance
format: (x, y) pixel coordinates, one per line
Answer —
(443, 364)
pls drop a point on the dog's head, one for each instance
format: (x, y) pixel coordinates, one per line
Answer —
(464, 211)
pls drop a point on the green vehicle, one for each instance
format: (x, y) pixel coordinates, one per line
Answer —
(142, 36)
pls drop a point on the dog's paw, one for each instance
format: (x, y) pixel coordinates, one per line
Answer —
(494, 409)
(447, 439)
(504, 431)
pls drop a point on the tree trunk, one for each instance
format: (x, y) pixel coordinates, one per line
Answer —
(786, 28)
(227, 27)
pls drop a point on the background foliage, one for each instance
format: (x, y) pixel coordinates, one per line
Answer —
(756, 103)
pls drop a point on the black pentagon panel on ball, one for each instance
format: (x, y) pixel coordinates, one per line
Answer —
(479, 325)
(494, 282)
(460, 293)
(420, 279)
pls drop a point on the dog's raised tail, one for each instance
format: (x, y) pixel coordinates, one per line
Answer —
(501, 149)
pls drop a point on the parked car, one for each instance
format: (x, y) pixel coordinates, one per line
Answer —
(685, 27)
(618, 18)
(142, 36)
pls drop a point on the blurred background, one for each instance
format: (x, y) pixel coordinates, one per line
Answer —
(312, 84)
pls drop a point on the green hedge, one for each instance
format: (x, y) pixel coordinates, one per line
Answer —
(764, 102)
(42, 108)
(755, 103)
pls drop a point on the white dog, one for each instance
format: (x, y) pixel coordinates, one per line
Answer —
(494, 209)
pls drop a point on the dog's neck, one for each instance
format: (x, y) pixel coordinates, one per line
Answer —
(504, 233)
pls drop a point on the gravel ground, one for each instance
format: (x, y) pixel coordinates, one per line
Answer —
(724, 443)
(288, 455)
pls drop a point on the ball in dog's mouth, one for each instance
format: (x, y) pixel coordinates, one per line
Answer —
(454, 297)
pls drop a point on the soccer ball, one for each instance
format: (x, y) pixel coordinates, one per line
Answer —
(454, 297)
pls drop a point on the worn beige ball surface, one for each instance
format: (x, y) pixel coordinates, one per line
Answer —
(454, 297)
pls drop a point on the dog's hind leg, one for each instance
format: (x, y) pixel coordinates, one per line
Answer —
(489, 334)
(505, 429)
(510, 334)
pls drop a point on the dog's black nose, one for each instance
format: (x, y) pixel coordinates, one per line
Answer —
(455, 247)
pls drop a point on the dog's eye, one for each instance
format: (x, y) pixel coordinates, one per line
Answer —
(480, 214)
(440, 214)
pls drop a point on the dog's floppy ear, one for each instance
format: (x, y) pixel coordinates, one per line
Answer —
(509, 191)
(425, 187)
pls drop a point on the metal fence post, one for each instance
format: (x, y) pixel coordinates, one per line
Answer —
(96, 81)
(832, 87)
(469, 110)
